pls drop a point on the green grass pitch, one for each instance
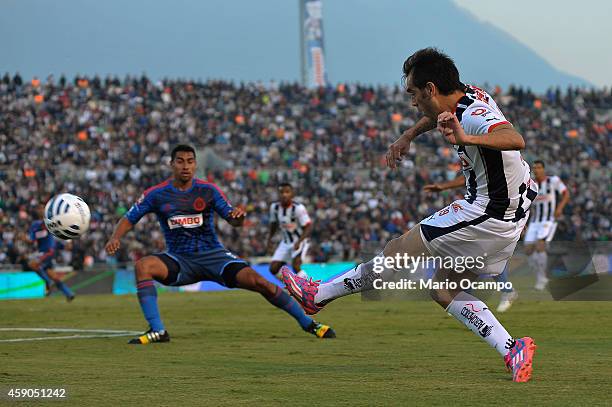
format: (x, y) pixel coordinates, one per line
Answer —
(233, 348)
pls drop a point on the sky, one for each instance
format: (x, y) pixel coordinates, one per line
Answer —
(258, 39)
(575, 36)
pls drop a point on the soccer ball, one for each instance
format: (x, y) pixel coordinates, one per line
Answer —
(67, 216)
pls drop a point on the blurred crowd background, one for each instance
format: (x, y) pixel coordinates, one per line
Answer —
(108, 139)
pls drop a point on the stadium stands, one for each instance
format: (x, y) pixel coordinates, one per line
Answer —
(108, 139)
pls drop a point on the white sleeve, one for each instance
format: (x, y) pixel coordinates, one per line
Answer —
(273, 213)
(560, 186)
(479, 118)
(302, 215)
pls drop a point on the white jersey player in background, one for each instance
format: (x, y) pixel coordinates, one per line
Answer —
(488, 221)
(295, 224)
(545, 211)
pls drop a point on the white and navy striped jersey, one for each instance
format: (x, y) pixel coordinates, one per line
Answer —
(546, 202)
(291, 220)
(498, 181)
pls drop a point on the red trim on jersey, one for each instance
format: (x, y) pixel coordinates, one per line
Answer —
(202, 182)
(306, 224)
(154, 187)
(495, 125)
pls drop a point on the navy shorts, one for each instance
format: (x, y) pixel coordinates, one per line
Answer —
(45, 264)
(219, 265)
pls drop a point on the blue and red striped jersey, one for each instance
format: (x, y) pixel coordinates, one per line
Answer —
(186, 217)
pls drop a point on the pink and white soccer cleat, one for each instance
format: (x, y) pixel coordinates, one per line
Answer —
(302, 289)
(519, 359)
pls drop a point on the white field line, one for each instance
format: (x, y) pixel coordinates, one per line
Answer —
(97, 333)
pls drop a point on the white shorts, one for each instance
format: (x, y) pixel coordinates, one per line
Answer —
(540, 231)
(285, 252)
(462, 231)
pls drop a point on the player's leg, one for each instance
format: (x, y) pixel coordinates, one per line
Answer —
(61, 285)
(542, 248)
(281, 256)
(476, 316)
(508, 293)
(40, 269)
(470, 310)
(535, 248)
(530, 239)
(296, 264)
(297, 258)
(541, 261)
(248, 279)
(312, 295)
(531, 256)
(147, 271)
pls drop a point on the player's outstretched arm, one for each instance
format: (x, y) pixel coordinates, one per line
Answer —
(458, 182)
(503, 138)
(565, 196)
(402, 145)
(122, 227)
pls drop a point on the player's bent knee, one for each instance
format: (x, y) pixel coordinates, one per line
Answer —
(148, 268)
(410, 242)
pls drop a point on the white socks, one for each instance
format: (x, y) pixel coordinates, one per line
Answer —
(538, 261)
(476, 316)
(355, 280)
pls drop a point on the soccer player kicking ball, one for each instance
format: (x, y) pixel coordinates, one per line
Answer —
(486, 224)
(184, 206)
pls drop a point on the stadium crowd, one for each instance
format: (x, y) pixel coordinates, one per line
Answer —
(107, 140)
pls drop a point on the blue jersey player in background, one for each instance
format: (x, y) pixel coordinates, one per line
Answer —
(185, 207)
(47, 247)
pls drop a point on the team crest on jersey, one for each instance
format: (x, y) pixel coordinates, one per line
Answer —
(186, 221)
(456, 207)
(199, 204)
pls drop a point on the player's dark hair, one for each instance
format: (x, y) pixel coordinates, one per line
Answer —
(181, 147)
(539, 162)
(285, 184)
(432, 65)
